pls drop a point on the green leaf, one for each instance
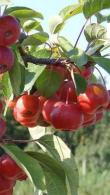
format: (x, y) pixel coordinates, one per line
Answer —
(31, 74)
(94, 31)
(50, 163)
(103, 62)
(48, 82)
(29, 164)
(78, 56)
(32, 25)
(56, 23)
(36, 39)
(16, 77)
(71, 10)
(91, 7)
(23, 13)
(54, 185)
(48, 142)
(55, 145)
(81, 83)
(6, 85)
(65, 44)
(42, 53)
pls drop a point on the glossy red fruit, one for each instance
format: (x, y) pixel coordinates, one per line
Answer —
(67, 92)
(5, 185)
(96, 96)
(2, 127)
(7, 192)
(46, 110)
(21, 118)
(21, 177)
(9, 30)
(1, 106)
(66, 116)
(28, 105)
(6, 59)
(8, 168)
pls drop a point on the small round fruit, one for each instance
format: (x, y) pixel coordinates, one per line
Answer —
(46, 110)
(66, 116)
(9, 30)
(5, 185)
(1, 106)
(95, 97)
(28, 105)
(6, 59)
(7, 192)
(8, 168)
(2, 127)
(67, 92)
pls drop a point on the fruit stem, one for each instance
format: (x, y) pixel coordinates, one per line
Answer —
(80, 33)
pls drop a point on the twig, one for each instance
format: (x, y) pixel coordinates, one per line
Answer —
(80, 33)
(4, 141)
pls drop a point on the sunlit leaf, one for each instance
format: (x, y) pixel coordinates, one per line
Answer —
(91, 7)
(71, 10)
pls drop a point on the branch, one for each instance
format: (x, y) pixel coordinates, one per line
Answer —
(5, 141)
(47, 61)
(42, 61)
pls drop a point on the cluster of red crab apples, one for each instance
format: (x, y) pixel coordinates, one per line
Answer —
(10, 172)
(65, 110)
(9, 33)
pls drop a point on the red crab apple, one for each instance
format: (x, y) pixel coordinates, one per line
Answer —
(9, 30)
(5, 185)
(96, 96)
(28, 105)
(67, 92)
(46, 110)
(9, 169)
(28, 121)
(66, 116)
(6, 59)
(7, 192)
(1, 106)
(2, 127)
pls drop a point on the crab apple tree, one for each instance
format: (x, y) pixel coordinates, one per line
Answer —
(49, 87)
